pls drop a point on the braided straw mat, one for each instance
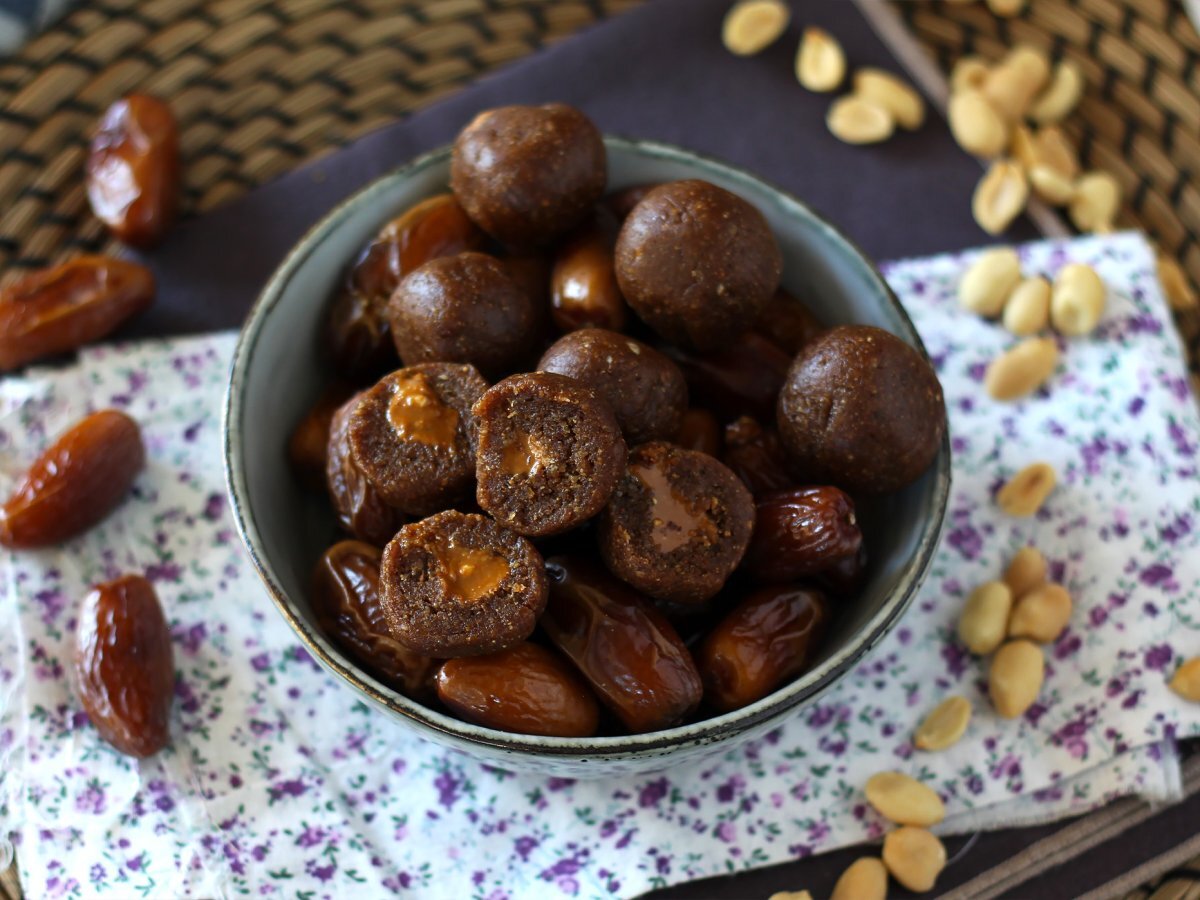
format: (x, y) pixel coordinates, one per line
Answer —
(260, 86)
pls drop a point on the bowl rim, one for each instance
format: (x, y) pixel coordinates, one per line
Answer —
(775, 705)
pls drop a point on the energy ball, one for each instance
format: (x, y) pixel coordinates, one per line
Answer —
(550, 453)
(645, 389)
(861, 409)
(527, 174)
(359, 507)
(458, 584)
(465, 309)
(413, 435)
(678, 524)
(697, 263)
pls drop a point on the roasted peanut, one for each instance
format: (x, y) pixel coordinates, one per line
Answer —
(801, 532)
(1013, 83)
(583, 283)
(1007, 8)
(623, 647)
(1060, 96)
(124, 665)
(768, 638)
(60, 309)
(1028, 308)
(820, 61)
(1175, 284)
(527, 690)
(986, 285)
(856, 120)
(914, 857)
(968, 72)
(976, 125)
(1051, 185)
(791, 895)
(945, 725)
(1026, 571)
(1025, 492)
(894, 94)
(700, 431)
(1096, 202)
(1077, 300)
(1000, 196)
(1053, 149)
(75, 483)
(1041, 614)
(756, 456)
(1021, 370)
(133, 170)
(984, 619)
(752, 25)
(864, 879)
(1186, 680)
(904, 800)
(1015, 677)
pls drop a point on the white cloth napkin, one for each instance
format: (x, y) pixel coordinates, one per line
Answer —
(280, 782)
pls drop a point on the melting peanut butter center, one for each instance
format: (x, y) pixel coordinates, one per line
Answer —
(676, 521)
(522, 457)
(417, 413)
(472, 573)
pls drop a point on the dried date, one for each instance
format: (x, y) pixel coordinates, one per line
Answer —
(756, 456)
(308, 444)
(801, 533)
(744, 378)
(583, 283)
(699, 431)
(788, 323)
(360, 510)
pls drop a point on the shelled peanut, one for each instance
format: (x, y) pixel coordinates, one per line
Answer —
(878, 102)
(911, 854)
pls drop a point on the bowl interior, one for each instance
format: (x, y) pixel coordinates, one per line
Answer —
(278, 374)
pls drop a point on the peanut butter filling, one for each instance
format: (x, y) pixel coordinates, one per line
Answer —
(522, 457)
(676, 521)
(472, 573)
(417, 413)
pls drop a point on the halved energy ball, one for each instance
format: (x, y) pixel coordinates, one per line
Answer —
(550, 453)
(458, 584)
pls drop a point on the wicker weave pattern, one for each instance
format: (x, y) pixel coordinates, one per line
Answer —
(257, 85)
(1140, 115)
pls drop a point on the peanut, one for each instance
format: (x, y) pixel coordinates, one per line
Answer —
(1077, 300)
(984, 618)
(944, 726)
(856, 120)
(1022, 147)
(914, 857)
(968, 72)
(1026, 491)
(864, 879)
(1012, 85)
(904, 800)
(1051, 148)
(1186, 680)
(1176, 287)
(791, 895)
(976, 125)
(820, 61)
(753, 25)
(1021, 370)
(1060, 96)
(894, 94)
(1096, 202)
(1015, 677)
(1025, 571)
(1051, 185)
(1041, 615)
(1000, 196)
(988, 282)
(1028, 308)
(1007, 8)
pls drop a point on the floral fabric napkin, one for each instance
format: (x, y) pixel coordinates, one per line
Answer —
(280, 783)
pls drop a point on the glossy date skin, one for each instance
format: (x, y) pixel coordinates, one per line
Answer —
(768, 638)
(626, 650)
(743, 378)
(60, 309)
(308, 444)
(699, 431)
(359, 508)
(788, 323)
(527, 690)
(75, 483)
(124, 665)
(583, 282)
(133, 173)
(801, 533)
(756, 456)
(346, 600)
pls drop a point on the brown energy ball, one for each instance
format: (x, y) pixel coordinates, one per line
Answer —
(645, 389)
(677, 525)
(458, 584)
(861, 409)
(697, 263)
(464, 309)
(550, 453)
(359, 507)
(413, 435)
(527, 174)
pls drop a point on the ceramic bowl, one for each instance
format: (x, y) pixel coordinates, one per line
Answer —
(278, 373)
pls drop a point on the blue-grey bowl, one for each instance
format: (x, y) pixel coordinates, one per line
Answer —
(278, 372)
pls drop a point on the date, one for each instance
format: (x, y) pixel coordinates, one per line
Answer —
(756, 456)
(133, 173)
(743, 378)
(60, 309)
(699, 431)
(75, 483)
(788, 323)
(800, 533)
(124, 665)
(359, 508)
(308, 444)
(583, 283)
